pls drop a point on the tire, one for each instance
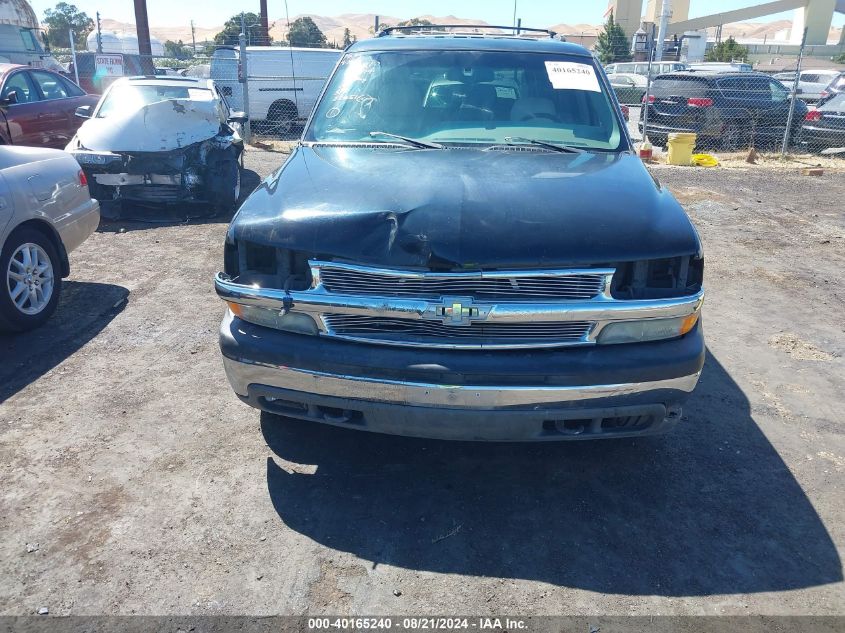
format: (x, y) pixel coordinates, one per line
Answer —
(227, 191)
(29, 290)
(734, 139)
(281, 118)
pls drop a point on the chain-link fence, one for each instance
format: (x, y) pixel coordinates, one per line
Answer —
(730, 109)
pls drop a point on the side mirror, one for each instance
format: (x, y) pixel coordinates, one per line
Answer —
(10, 99)
(83, 112)
(238, 117)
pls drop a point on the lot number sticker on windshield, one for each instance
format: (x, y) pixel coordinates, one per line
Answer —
(572, 76)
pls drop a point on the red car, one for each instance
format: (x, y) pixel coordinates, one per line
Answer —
(38, 107)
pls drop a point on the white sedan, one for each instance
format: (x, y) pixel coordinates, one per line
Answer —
(46, 211)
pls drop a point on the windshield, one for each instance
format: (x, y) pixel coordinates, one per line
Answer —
(128, 98)
(467, 97)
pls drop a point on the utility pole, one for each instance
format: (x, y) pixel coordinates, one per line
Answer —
(99, 35)
(265, 24)
(665, 12)
(142, 26)
(194, 37)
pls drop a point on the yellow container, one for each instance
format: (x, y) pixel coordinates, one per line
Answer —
(681, 145)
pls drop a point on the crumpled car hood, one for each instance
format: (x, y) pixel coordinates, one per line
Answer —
(158, 127)
(465, 208)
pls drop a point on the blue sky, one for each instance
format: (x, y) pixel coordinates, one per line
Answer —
(533, 12)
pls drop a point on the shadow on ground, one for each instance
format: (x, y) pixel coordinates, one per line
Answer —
(84, 310)
(130, 216)
(708, 509)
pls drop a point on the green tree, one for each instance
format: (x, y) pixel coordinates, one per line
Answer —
(177, 50)
(727, 51)
(612, 44)
(232, 30)
(303, 32)
(416, 22)
(63, 18)
(347, 38)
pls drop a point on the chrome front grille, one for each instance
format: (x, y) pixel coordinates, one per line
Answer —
(552, 285)
(398, 331)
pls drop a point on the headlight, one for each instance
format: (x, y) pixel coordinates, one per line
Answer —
(646, 330)
(296, 322)
(95, 158)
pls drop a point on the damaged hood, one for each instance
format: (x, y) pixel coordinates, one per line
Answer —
(158, 127)
(465, 208)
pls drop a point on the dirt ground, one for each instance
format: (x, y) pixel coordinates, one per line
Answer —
(133, 481)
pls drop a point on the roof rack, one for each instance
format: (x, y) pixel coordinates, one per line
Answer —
(517, 30)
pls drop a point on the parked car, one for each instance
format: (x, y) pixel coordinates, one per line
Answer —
(197, 71)
(161, 140)
(824, 126)
(286, 82)
(721, 67)
(811, 83)
(725, 110)
(45, 213)
(97, 71)
(469, 267)
(37, 107)
(641, 68)
(835, 87)
(629, 87)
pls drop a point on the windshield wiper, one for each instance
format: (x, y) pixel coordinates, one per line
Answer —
(569, 149)
(408, 140)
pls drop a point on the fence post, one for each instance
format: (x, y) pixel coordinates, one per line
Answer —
(244, 79)
(794, 96)
(73, 55)
(644, 106)
(99, 36)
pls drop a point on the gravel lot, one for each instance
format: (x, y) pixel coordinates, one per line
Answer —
(142, 485)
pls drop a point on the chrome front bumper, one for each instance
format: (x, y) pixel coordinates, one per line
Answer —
(243, 374)
(460, 412)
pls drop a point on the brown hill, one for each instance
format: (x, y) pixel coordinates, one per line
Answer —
(163, 33)
(360, 26)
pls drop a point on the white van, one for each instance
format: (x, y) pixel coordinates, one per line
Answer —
(22, 45)
(284, 83)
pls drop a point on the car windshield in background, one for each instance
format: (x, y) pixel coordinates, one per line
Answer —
(836, 104)
(679, 87)
(754, 89)
(467, 97)
(128, 98)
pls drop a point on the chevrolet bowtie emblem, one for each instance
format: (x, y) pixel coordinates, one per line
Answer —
(459, 311)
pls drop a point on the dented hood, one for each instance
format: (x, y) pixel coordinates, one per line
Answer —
(158, 127)
(465, 208)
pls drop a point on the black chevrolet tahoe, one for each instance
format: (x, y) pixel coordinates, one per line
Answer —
(463, 245)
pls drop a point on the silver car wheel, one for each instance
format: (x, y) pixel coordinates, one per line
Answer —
(29, 279)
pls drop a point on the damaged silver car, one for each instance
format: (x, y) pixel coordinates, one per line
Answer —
(167, 140)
